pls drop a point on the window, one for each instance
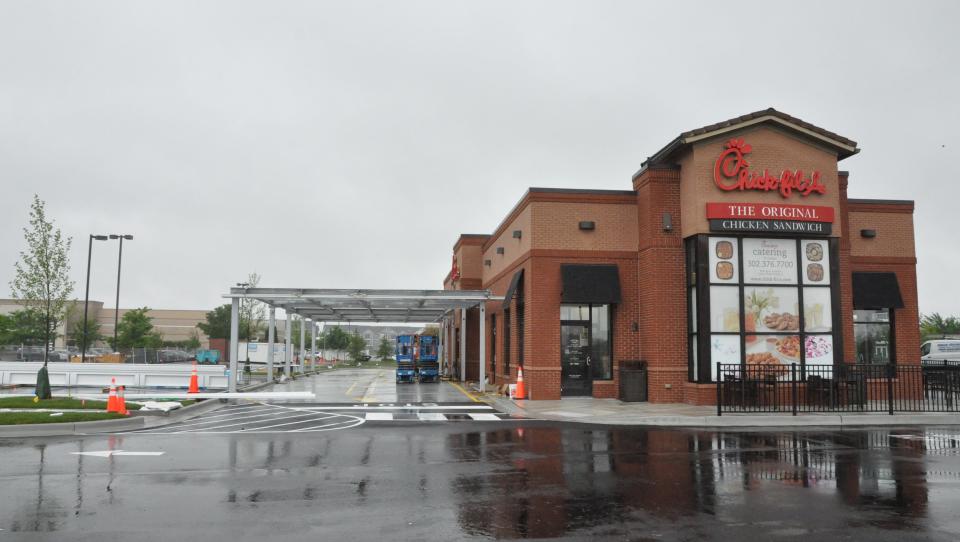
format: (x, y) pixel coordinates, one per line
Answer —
(925, 349)
(597, 319)
(871, 331)
(506, 343)
(758, 301)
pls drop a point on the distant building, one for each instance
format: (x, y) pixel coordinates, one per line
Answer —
(173, 325)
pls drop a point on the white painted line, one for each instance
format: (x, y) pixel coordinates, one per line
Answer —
(274, 417)
(108, 453)
(266, 417)
(289, 423)
(229, 419)
(379, 416)
(480, 417)
(432, 417)
(392, 407)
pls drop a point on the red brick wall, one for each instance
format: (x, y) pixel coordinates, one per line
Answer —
(661, 287)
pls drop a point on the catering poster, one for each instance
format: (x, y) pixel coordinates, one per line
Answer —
(769, 261)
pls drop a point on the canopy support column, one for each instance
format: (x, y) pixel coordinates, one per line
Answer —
(271, 325)
(313, 344)
(463, 345)
(234, 342)
(483, 347)
(288, 347)
(303, 335)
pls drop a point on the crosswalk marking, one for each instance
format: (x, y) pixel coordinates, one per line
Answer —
(306, 418)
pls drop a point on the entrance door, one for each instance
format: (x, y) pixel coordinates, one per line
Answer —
(575, 360)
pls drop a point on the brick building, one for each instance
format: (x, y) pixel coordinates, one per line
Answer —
(737, 245)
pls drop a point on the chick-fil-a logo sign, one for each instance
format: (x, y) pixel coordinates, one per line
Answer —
(732, 172)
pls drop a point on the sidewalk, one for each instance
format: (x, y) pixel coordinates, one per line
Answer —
(613, 412)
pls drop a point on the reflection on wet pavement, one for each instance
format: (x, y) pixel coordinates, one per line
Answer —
(537, 481)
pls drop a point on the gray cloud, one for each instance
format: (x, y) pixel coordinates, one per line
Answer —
(347, 144)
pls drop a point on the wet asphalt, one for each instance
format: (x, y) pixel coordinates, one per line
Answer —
(462, 478)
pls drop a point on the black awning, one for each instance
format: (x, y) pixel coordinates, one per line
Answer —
(876, 291)
(514, 282)
(590, 283)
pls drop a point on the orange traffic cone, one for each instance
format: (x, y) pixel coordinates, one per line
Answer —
(194, 386)
(520, 392)
(112, 405)
(121, 402)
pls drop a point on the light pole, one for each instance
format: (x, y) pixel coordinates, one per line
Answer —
(86, 297)
(116, 307)
(243, 305)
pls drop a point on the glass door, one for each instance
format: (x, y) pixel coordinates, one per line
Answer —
(575, 360)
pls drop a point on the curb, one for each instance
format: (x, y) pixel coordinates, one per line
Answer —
(738, 421)
(68, 429)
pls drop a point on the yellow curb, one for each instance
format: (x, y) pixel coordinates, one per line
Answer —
(465, 392)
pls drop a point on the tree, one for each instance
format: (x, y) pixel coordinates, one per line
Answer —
(41, 279)
(42, 282)
(430, 330)
(93, 332)
(21, 327)
(136, 331)
(356, 346)
(251, 312)
(217, 325)
(385, 349)
(335, 338)
(935, 325)
(193, 343)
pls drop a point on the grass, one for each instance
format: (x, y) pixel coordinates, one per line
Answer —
(20, 418)
(57, 402)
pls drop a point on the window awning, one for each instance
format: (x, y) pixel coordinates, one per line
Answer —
(590, 283)
(876, 291)
(514, 282)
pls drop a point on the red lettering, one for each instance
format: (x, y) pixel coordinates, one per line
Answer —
(732, 171)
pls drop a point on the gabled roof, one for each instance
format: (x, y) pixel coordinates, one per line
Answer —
(845, 147)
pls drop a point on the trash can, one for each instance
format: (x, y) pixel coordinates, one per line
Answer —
(633, 381)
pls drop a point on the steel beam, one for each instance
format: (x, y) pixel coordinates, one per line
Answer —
(483, 347)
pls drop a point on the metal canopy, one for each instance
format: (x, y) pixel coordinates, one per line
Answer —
(320, 305)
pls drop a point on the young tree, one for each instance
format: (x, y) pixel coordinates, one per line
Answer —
(93, 332)
(193, 343)
(385, 349)
(41, 280)
(356, 346)
(251, 311)
(136, 331)
(431, 330)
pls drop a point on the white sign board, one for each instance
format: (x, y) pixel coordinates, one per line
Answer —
(769, 261)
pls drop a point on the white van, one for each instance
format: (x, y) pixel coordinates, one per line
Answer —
(942, 349)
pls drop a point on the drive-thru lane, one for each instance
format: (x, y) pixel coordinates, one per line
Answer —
(345, 398)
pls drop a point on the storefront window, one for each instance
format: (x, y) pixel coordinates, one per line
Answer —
(871, 330)
(769, 302)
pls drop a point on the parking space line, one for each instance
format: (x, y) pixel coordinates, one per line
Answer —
(431, 417)
(379, 416)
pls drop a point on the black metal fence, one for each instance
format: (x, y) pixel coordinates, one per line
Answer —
(838, 388)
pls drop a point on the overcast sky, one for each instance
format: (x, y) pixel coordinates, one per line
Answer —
(347, 144)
